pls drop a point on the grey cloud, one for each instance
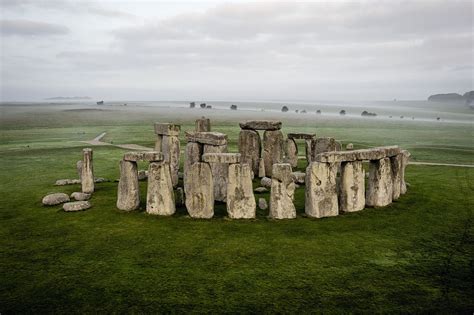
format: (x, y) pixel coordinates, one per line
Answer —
(31, 28)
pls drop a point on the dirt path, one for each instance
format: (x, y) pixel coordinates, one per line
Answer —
(131, 146)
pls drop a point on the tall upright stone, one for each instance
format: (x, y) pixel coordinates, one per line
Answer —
(193, 153)
(219, 172)
(352, 187)
(380, 187)
(203, 124)
(396, 166)
(321, 190)
(250, 148)
(79, 168)
(323, 144)
(128, 193)
(307, 146)
(87, 177)
(291, 152)
(405, 158)
(240, 198)
(282, 192)
(272, 149)
(171, 150)
(199, 191)
(160, 195)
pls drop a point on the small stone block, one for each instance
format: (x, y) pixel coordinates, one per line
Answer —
(167, 129)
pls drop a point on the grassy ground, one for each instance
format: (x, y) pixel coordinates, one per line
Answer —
(416, 255)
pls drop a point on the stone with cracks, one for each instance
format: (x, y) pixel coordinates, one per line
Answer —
(240, 198)
(199, 191)
(301, 135)
(291, 152)
(358, 155)
(80, 196)
(352, 187)
(226, 158)
(262, 204)
(321, 145)
(261, 125)
(79, 168)
(160, 195)
(211, 137)
(272, 149)
(149, 156)
(167, 129)
(266, 182)
(87, 175)
(158, 143)
(76, 206)
(203, 124)
(380, 186)
(55, 199)
(307, 147)
(321, 190)
(250, 148)
(219, 172)
(128, 194)
(192, 155)
(261, 168)
(396, 166)
(171, 150)
(405, 158)
(282, 192)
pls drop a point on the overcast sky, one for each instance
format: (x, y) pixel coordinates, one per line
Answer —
(215, 50)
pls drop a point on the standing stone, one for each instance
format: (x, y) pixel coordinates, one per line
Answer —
(171, 152)
(240, 199)
(321, 190)
(250, 148)
(87, 175)
(160, 195)
(405, 158)
(261, 168)
(192, 155)
(380, 187)
(199, 191)
(307, 146)
(352, 187)
(203, 124)
(219, 172)
(159, 143)
(291, 152)
(323, 144)
(272, 149)
(79, 168)
(179, 196)
(128, 194)
(396, 166)
(282, 192)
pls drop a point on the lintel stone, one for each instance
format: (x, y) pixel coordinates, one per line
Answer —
(150, 156)
(167, 129)
(358, 155)
(301, 135)
(261, 125)
(210, 137)
(229, 158)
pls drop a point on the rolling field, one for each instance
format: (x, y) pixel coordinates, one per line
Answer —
(414, 256)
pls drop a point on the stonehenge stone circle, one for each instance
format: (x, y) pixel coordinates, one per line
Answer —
(250, 148)
(380, 186)
(128, 193)
(240, 198)
(282, 192)
(321, 190)
(160, 195)
(203, 124)
(352, 187)
(272, 149)
(87, 175)
(199, 191)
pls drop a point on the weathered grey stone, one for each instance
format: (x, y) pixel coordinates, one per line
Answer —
(76, 206)
(55, 199)
(272, 149)
(192, 155)
(219, 172)
(167, 129)
(63, 182)
(261, 125)
(240, 198)
(211, 137)
(101, 180)
(262, 204)
(261, 190)
(179, 196)
(380, 187)
(358, 155)
(87, 176)
(80, 196)
(338, 146)
(307, 147)
(291, 152)
(198, 187)
(282, 192)
(321, 145)
(396, 166)
(226, 158)
(349, 146)
(266, 182)
(298, 177)
(128, 194)
(158, 143)
(149, 156)
(250, 148)
(203, 124)
(321, 190)
(142, 175)
(301, 135)
(405, 158)
(261, 168)
(352, 187)
(79, 168)
(160, 195)
(171, 150)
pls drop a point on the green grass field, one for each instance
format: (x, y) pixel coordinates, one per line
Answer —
(414, 256)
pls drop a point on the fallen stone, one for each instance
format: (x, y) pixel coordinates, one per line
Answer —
(250, 149)
(87, 175)
(128, 193)
(262, 204)
(240, 199)
(291, 152)
(298, 177)
(63, 182)
(352, 187)
(171, 155)
(149, 156)
(203, 124)
(321, 190)
(261, 190)
(301, 135)
(358, 155)
(266, 182)
(219, 172)
(199, 191)
(167, 129)
(80, 196)
(55, 199)
(261, 125)
(380, 186)
(272, 149)
(211, 137)
(226, 158)
(282, 193)
(160, 195)
(76, 206)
